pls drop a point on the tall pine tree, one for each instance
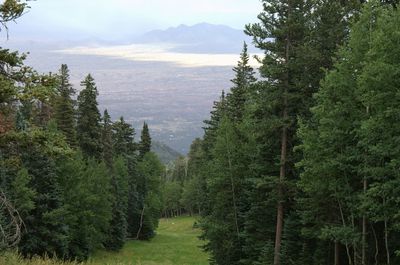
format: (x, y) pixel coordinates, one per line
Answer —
(88, 123)
(145, 141)
(64, 108)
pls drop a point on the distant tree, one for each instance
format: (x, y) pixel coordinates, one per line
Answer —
(171, 198)
(145, 141)
(180, 170)
(123, 138)
(107, 141)
(195, 158)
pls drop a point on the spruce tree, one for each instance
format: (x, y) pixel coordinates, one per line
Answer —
(88, 123)
(285, 22)
(118, 225)
(145, 141)
(125, 147)
(64, 108)
(224, 224)
(211, 125)
(244, 77)
(87, 196)
(46, 233)
(123, 138)
(107, 140)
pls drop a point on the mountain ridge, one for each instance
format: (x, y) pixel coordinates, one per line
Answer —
(198, 38)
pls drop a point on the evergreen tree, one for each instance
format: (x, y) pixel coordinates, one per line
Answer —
(118, 225)
(285, 22)
(211, 125)
(87, 196)
(107, 140)
(123, 138)
(223, 226)
(150, 170)
(46, 233)
(88, 124)
(125, 147)
(244, 77)
(145, 141)
(64, 108)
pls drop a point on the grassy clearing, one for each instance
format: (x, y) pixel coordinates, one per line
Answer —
(11, 258)
(176, 243)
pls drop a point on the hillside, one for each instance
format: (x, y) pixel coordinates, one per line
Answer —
(198, 38)
(165, 153)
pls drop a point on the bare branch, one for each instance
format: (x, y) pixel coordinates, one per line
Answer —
(11, 224)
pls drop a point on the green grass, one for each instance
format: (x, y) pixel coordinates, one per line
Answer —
(176, 243)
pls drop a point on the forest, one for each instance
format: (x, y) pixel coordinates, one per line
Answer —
(299, 162)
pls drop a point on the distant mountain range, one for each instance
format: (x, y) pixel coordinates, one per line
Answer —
(199, 38)
(165, 153)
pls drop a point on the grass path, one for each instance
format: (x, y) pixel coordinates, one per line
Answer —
(176, 243)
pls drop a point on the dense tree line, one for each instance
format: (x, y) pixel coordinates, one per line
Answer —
(78, 180)
(301, 166)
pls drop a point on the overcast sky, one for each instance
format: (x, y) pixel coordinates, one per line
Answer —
(121, 19)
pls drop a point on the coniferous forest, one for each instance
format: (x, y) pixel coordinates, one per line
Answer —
(299, 163)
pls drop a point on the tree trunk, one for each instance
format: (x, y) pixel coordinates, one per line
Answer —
(376, 245)
(337, 253)
(282, 170)
(387, 243)
(364, 230)
(141, 224)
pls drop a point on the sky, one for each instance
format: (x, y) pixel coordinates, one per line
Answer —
(115, 20)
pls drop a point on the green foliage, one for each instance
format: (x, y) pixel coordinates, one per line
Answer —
(118, 224)
(87, 196)
(348, 143)
(150, 171)
(224, 223)
(23, 195)
(171, 194)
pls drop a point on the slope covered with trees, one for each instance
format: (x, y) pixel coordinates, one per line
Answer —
(299, 167)
(78, 181)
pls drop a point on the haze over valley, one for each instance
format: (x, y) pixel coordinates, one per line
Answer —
(168, 78)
